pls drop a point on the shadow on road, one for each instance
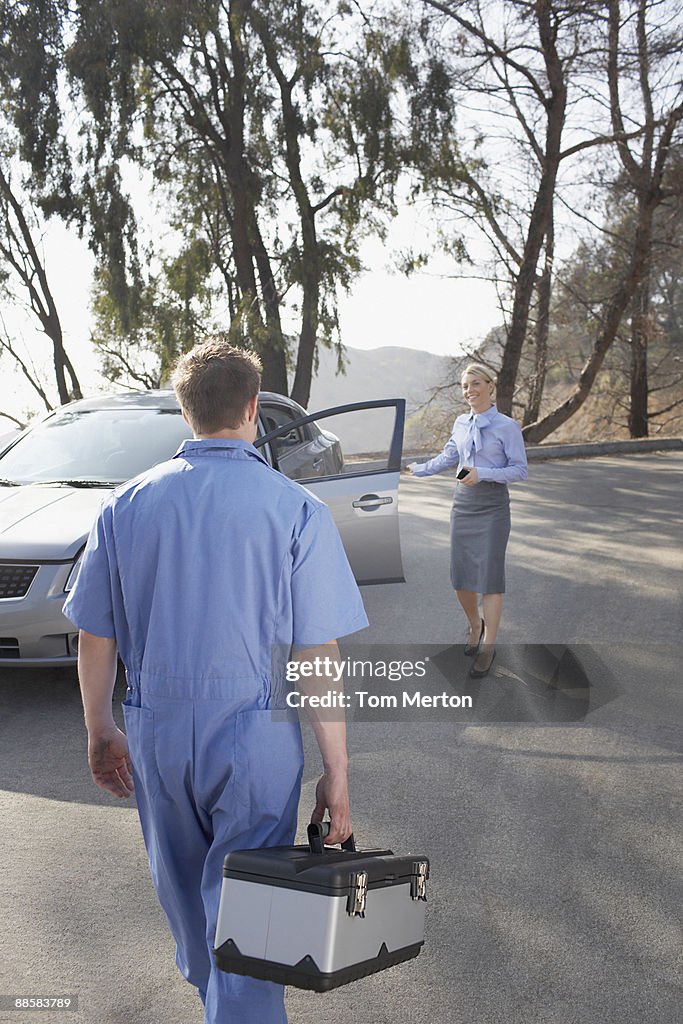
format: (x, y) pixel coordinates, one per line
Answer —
(530, 683)
(42, 736)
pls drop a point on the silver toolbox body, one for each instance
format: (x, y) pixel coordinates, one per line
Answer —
(319, 920)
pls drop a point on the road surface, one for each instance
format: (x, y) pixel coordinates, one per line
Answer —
(554, 841)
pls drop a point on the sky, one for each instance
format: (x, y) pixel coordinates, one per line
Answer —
(432, 310)
(427, 311)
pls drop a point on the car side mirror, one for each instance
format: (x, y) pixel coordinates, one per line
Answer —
(289, 440)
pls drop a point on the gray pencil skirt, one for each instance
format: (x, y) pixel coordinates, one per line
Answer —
(480, 527)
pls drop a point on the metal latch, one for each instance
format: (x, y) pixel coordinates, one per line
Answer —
(418, 880)
(358, 891)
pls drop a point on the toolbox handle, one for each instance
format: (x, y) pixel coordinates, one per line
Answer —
(318, 831)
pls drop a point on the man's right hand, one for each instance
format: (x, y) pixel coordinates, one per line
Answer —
(332, 794)
(109, 761)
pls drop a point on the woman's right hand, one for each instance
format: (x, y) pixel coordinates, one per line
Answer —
(412, 466)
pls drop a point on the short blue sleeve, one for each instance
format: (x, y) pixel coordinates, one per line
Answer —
(89, 605)
(326, 602)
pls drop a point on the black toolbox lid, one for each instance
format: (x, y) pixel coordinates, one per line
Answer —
(295, 867)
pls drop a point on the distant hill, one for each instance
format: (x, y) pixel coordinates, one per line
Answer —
(389, 372)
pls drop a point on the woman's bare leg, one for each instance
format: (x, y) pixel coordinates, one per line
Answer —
(469, 602)
(493, 610)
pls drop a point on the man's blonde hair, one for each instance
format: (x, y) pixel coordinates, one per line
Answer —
(214, 382)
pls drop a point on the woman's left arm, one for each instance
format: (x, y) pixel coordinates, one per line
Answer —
(515, 467)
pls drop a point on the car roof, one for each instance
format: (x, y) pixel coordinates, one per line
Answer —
(130, 399)
(158, 399)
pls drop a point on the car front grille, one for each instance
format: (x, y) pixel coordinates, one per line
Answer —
(9, 647)
(16, 579)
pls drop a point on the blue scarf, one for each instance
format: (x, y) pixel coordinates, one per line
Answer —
(475, 424)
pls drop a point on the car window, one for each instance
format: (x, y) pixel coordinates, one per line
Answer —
(111, 445)
(275, 416)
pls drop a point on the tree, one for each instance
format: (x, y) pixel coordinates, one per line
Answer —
(586, 286)
(535, 80)
(25, 67)
(173, 311)
(646, 176)
(290, 124)
(23, 266)
(526, 79)
(643, 51)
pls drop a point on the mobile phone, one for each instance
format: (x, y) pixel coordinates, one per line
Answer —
(462, 474)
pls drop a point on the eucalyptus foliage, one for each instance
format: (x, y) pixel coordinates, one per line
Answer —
(225, 159)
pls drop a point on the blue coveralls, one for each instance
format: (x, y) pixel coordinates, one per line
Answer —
(199, 568)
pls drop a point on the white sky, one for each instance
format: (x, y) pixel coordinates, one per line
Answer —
(429, 311)
(426, 311)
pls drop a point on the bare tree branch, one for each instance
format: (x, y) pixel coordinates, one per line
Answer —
(13, 419)
(7, 346)
(489, 43)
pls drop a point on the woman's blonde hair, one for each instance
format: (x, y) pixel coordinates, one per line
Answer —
(482, 370)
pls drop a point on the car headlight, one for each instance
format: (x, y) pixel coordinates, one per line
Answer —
(71, 578)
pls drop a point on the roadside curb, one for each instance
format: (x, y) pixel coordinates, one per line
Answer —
(590, 448)
(586, 450)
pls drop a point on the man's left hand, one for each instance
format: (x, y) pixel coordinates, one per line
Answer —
(109, 761)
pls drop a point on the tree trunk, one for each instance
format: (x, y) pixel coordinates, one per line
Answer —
(536, 432)
(267, 339)
(61, 361)
(533, 409)
(308, 336)
(640, 329)
(310, 252)
(249, 321)
(274, 350)
(540, 215)
(23, 255)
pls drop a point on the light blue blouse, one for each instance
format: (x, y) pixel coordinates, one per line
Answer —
(490, 441)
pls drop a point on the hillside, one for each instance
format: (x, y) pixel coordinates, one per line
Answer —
(389, 372)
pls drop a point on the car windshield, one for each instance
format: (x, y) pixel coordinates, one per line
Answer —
(97, 446)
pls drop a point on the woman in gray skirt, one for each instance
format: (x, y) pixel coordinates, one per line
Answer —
(488, 449)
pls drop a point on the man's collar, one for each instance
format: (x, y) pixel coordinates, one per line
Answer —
(218, 446)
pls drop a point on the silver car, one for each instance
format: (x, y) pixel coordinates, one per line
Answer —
(54, 475)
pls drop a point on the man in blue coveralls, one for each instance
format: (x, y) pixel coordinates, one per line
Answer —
(195, 571)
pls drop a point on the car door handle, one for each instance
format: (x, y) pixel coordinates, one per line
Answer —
(370, 502)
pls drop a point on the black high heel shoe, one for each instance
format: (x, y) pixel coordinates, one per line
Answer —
(471, 649)
(480, 673)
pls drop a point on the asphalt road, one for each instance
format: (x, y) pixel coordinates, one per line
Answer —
(553, 825)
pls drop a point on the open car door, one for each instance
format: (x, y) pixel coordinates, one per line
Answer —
(350, 457)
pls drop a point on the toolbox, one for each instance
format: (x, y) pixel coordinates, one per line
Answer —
(317, 917)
